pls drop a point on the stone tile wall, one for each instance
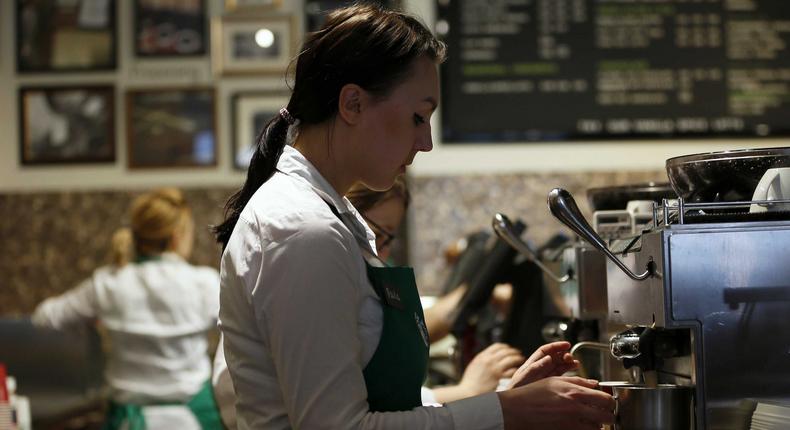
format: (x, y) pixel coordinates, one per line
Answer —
(51, 241)
(447, 208)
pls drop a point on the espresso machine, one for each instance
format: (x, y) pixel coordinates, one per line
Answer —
(704, 294)
(574, 287)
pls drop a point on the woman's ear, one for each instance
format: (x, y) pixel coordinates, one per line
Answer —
(351, 103)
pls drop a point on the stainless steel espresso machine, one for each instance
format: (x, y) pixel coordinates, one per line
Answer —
(574, 294)
(704, 291)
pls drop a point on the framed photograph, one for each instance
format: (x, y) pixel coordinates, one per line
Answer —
(251, 111)
(244, 5)
(169, 29)
(59, 125)
(65, 36)
(171, 128)
(250, 45)
(317, 10)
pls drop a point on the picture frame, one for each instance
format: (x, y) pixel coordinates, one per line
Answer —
(171, 127)
(56, 36)
(66, 124)
(316, 11)
(250, 112)
(170, 29)
(253, 44)
(247, 5)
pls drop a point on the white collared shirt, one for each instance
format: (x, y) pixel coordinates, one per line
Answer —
(300, 319)
(157, 314)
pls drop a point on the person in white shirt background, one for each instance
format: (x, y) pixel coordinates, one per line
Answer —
(318, 331)
(157, 309)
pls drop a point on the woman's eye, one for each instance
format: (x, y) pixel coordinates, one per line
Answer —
(418, 119)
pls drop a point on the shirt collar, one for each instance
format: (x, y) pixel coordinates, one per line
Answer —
(296, 165)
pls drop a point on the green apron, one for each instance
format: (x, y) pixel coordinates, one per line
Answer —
(399, 366)
(202, 405)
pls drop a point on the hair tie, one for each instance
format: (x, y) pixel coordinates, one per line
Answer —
(284, 114)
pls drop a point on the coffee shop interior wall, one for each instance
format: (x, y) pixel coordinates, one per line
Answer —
(56, 221)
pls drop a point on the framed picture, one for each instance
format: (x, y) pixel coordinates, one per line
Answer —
(317, 10)
(243, 5)
(251, 111)
(252, 45)
(169, 29)
(65, 36)
(59, 125)
(171, 128)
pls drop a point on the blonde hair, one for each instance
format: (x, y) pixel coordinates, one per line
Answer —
(155, 217)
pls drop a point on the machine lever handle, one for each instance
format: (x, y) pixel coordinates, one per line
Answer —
(504, 229)
(564, 208)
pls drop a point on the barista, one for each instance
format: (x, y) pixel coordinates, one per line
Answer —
(384, 211)
(156, 308)
(318, 332)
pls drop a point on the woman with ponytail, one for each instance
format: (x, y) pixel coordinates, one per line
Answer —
(156, 309)
(319, 333)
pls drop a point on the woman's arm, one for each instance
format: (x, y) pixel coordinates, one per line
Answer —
(69, 309)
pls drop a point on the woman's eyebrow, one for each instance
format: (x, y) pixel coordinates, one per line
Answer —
(432, 101)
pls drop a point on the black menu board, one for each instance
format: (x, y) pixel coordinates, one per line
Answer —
(555, 70)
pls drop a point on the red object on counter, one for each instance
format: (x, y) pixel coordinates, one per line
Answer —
(3, 387)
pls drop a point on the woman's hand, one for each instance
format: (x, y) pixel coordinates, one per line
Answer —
(483, 373)
(557, 403)
(551, 359)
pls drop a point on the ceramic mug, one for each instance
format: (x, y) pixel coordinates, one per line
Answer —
(774, 185)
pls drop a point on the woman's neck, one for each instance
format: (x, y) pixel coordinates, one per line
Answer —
(316, 144)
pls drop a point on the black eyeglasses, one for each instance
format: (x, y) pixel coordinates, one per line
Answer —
(383, 237)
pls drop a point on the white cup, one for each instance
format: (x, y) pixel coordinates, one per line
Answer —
(774, 185)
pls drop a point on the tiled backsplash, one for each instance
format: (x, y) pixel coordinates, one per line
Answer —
(447, 208)
(51, 241)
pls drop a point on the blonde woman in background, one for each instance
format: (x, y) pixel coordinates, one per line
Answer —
(156, 308)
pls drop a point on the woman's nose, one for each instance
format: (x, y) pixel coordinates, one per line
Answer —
(424, 142)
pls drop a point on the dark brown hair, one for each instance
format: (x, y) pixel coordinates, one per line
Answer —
(365, 199)
(362, 44)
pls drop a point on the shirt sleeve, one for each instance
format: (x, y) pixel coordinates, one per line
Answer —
(210, 279)
(223, 388)
(70, 309)
(307, 306)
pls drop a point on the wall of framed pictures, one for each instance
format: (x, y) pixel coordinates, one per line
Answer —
(65, 104)
(131, 94)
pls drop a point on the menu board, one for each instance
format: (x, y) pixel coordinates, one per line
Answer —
(557, 70)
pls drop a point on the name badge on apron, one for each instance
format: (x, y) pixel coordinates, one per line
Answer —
(392, 296)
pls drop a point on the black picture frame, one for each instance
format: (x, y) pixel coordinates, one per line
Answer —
(174, 29)
(171, 127)
(66, 124)
(53, 37)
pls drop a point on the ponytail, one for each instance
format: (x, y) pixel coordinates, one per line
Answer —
(269, 147)
(363, 44)
(122, 248)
